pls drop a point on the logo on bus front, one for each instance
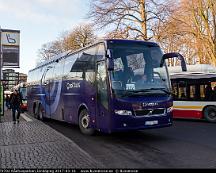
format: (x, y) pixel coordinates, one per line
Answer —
(150, 104)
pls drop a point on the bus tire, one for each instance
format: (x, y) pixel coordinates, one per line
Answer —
(34, 110)
(40, 113)
(210, 114)
(84, 123)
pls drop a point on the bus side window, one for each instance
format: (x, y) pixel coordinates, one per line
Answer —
(58, 72)
(67, 64)
(192, 92)
(175, 90)
(89, 59)
(49, 74)
(182, 94)
(102, 83)
(84, 66)
(100, 55)
(202, 92)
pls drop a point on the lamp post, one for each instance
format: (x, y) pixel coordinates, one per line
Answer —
(1, 53)
(1, 69)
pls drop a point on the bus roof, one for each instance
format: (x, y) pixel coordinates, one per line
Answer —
(68, 53)
(124, 41)
(193, 76)
(196, 71)
(62, 55)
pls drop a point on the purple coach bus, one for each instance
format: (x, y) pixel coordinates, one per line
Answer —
(109, 86)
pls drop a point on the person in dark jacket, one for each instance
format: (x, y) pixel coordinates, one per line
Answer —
(208, 92)
(15, 102)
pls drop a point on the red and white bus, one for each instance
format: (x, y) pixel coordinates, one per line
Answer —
(194, 92)
(23, 91)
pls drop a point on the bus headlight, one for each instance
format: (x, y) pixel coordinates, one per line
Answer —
(123, 112)
(170, 109)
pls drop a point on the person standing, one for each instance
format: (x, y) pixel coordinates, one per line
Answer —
(7, 100)
(208, 92)
(15, 102)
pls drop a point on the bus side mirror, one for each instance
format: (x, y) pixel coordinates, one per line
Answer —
(110, 64)
(110, 61)
(172, 55)
(108, 54)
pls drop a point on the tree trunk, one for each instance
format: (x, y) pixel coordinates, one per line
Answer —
(144, 19)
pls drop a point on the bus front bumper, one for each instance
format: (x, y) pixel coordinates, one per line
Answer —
(139, 123)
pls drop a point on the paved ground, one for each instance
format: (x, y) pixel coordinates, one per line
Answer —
(32, 144)
(186, 144)
(8, 117)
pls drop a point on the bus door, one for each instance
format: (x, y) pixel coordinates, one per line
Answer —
(103, 117)
(47, 87)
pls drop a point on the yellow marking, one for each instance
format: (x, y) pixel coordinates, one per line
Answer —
(187, 107)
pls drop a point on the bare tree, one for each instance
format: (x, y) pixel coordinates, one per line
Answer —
(79, 37)
(204, 13)
(118, 34)
(192, 28)
(50, 49)
(136, 18)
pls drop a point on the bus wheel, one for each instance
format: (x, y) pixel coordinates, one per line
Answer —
(40, 113)
(210, 113)
(84, 123)
(34, 110)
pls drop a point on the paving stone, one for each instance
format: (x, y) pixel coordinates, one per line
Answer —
(36, 145)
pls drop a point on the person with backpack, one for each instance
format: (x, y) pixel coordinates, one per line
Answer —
(15, 102)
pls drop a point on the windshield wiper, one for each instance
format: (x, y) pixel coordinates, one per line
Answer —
(153, 89)
(140, 92)
(161, 89)
(134, 93)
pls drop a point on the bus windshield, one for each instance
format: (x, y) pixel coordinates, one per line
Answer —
(137, 69)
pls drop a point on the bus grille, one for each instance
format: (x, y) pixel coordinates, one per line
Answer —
(150, 112)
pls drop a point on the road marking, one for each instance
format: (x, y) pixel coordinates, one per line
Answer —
(26, 118)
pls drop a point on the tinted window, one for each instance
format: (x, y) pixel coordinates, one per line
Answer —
(101, 52)
(69, 61)
(137, 67)
(50, 72)
(102, 84)
(192, 91)
(84, 66)
(58, 72)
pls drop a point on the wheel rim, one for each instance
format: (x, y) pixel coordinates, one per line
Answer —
(40, 115)
(85, 121)
(212, 114)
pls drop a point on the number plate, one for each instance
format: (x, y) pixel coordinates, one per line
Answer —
(130, 86)
(150, 123)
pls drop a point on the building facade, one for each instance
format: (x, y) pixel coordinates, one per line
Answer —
(12, 78)
(22, 78)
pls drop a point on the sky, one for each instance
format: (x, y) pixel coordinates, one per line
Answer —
(39, 22)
